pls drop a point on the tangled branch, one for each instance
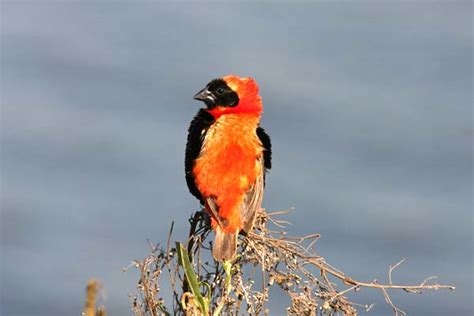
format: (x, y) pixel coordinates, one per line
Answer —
(204, 286)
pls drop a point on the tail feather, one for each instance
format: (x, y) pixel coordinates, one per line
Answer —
(225, 245)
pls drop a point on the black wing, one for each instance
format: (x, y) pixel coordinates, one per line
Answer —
(267, 145)
(196, 133)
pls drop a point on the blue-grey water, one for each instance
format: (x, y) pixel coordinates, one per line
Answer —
(369, 105)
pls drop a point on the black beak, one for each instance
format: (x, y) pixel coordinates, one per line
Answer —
(206, 96)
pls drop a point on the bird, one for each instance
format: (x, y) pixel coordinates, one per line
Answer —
(227, 156)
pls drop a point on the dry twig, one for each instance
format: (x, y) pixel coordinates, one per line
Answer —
(92, 289)
(288, 263)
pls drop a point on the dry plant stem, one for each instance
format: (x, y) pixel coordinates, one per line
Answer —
(289, 263)
(91, 295)
(171, 270)
(194, 241)
(409, 288)
(148, 298)
(293, 246)
(326, 268)
(92, 289)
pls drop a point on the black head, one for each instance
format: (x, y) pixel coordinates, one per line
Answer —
(217, 93)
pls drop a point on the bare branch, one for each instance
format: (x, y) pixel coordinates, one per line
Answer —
(289, 263)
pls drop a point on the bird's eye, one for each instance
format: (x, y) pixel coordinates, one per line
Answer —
(220, 90)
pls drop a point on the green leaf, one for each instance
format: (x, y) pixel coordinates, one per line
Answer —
(209, 290)
(191, 278)
(227, 265)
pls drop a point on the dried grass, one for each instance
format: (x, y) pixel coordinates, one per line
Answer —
(267, 258)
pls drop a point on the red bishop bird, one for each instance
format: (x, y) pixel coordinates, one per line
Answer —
(227, 155)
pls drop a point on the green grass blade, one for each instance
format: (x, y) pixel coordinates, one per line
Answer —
(191, 278)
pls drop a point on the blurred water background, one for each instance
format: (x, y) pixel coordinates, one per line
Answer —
(369, 105)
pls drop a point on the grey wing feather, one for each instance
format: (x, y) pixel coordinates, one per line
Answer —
(253, 200)
(211, 203)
